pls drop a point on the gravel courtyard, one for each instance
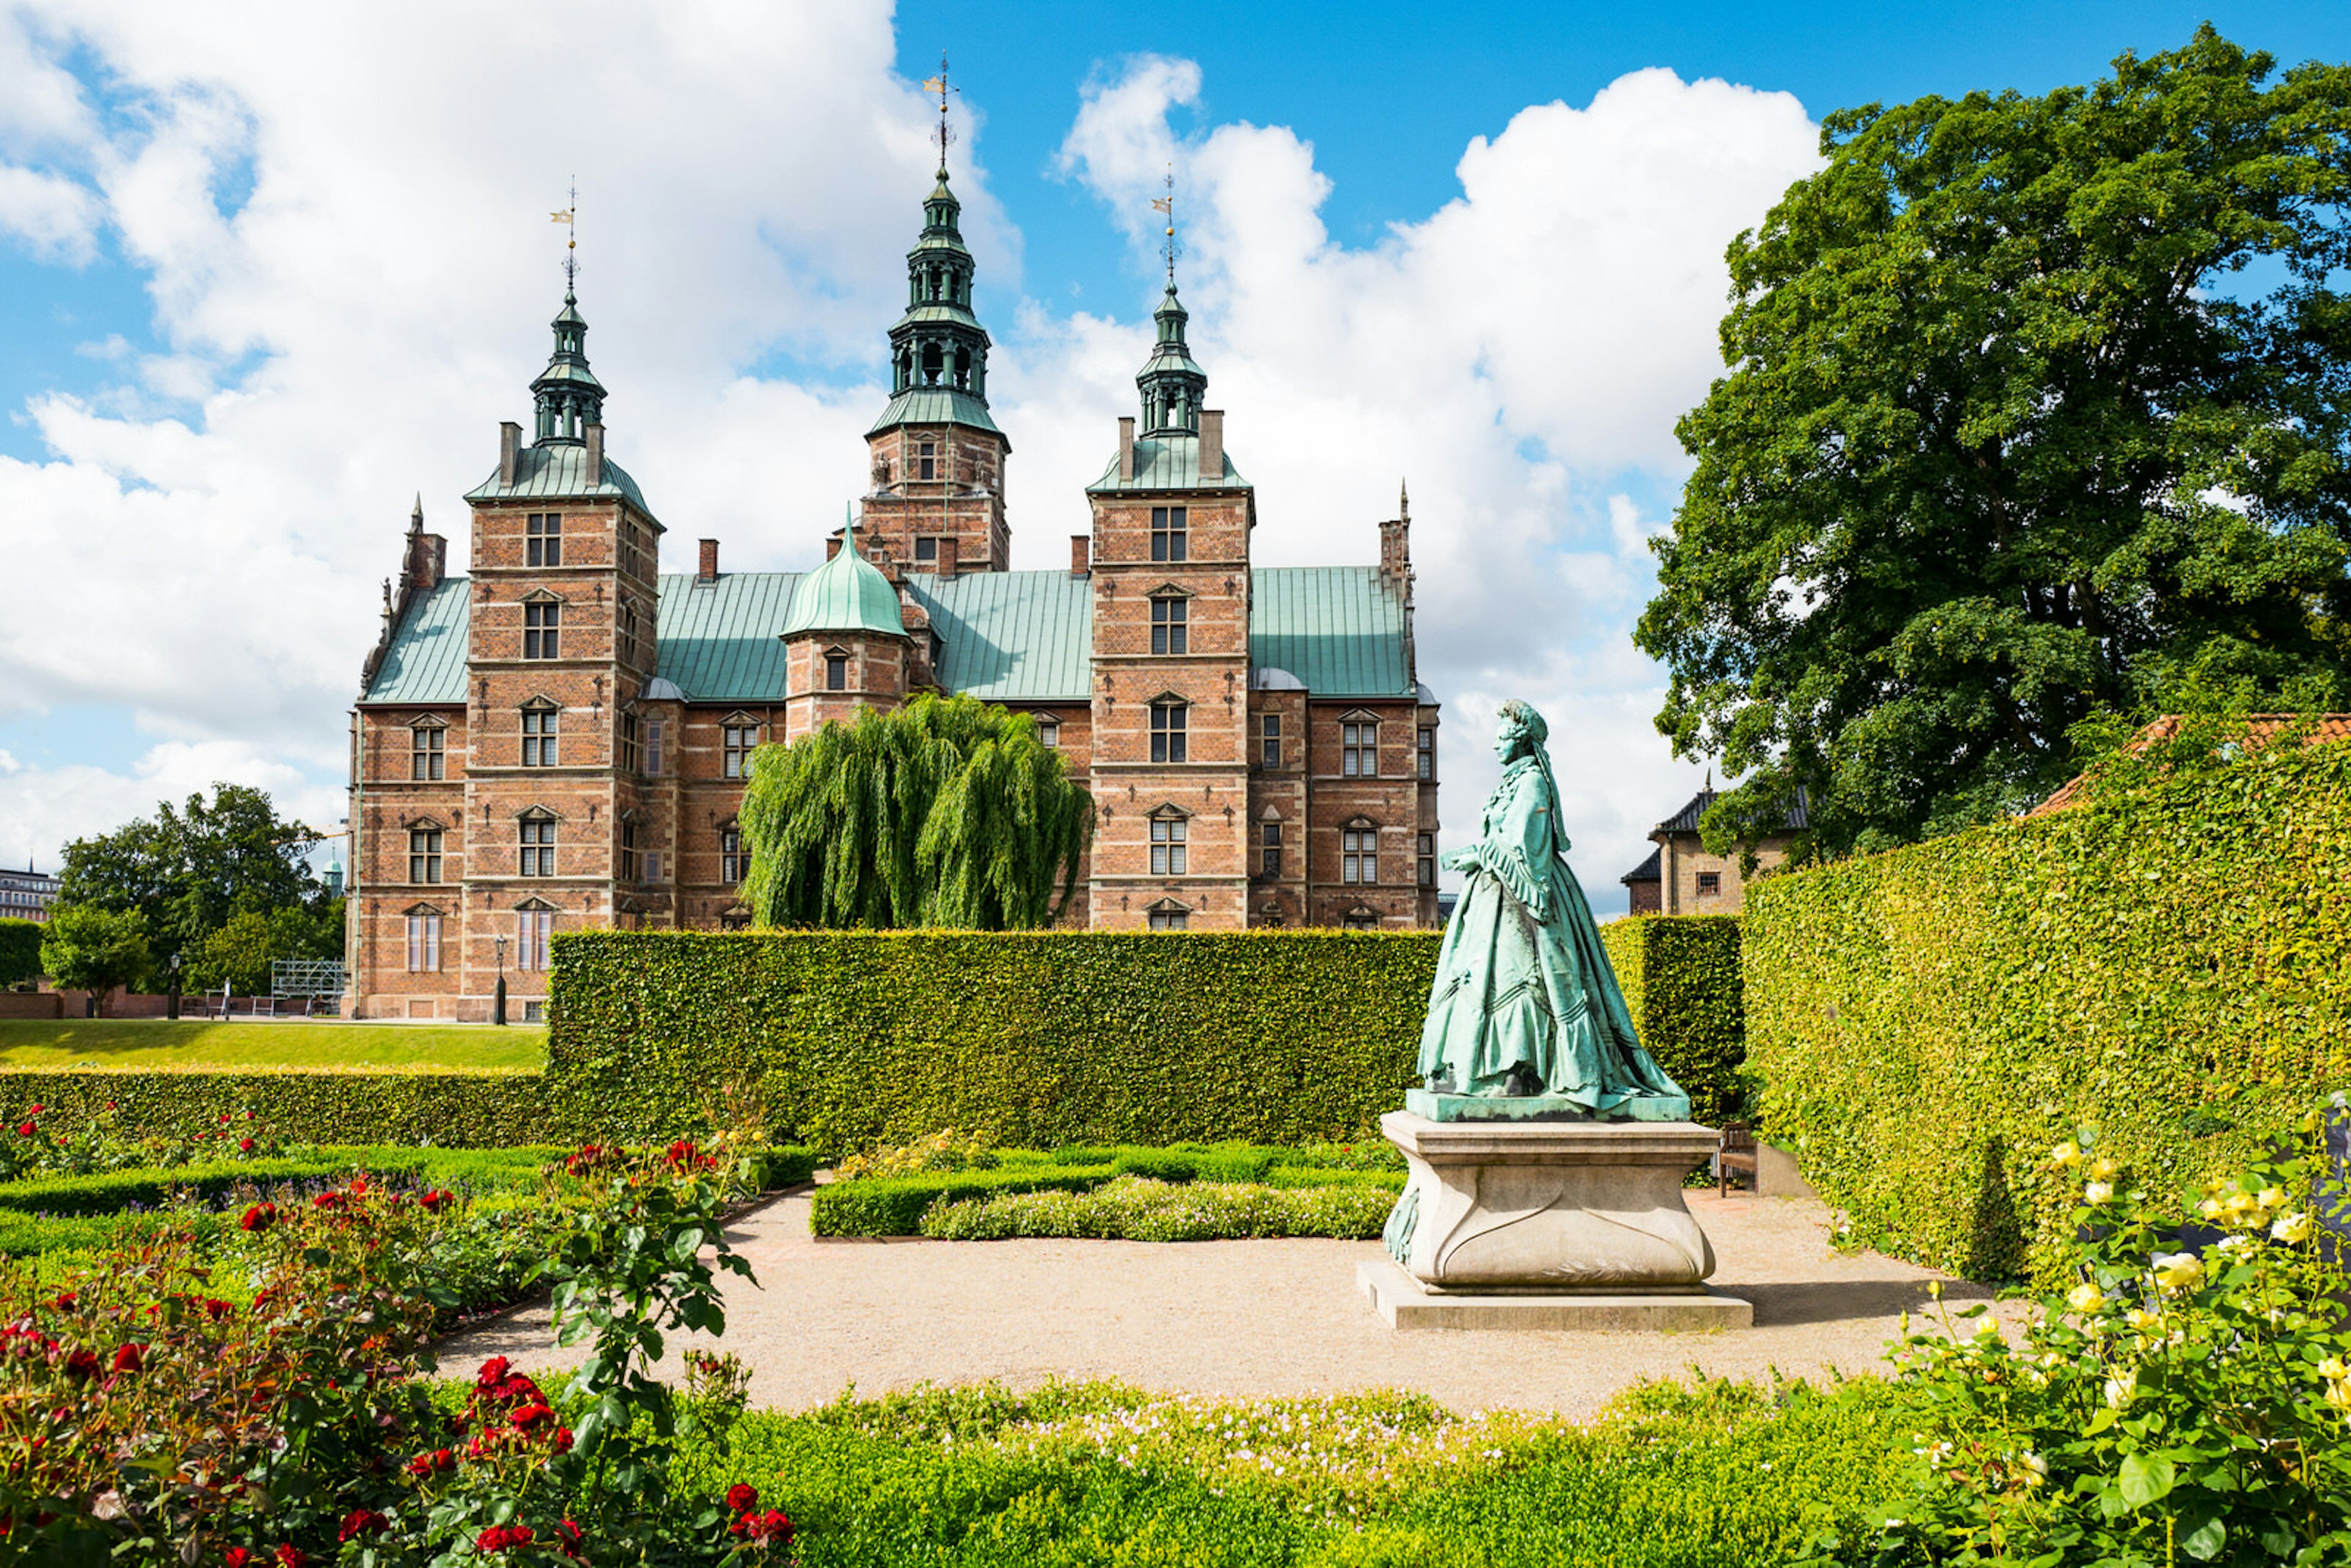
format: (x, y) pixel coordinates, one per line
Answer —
(1243, 1318)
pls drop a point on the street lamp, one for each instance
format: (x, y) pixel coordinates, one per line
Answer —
(171, 1003)
(498, 1006)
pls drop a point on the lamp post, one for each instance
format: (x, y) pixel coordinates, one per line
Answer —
(499, 1004)
(171, 1001)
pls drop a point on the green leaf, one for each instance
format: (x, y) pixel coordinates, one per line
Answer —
(2204, 1543)
(2145, 1479)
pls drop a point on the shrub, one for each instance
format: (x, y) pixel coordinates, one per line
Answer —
(1681, 982)
(88, 948)
(945, 1151)
(2179, 1400)
(895, 1206)
(2164, 960)
(1135, 1209)
(20, 951)
(459, 1109)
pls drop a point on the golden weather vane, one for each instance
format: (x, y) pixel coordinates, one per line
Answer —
(1166, 204)
(570, 217)
(939, 84)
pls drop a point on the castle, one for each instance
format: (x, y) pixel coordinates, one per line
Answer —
(561, 739)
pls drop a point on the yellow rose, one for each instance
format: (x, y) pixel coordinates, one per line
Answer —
(2144, 1321)
(2085, 1297)
(2103, 1168)
(2333, 1370)
(2291, 1228)
(2120, 1390)
(2097, 1192)
(2067, 1154)
(2178, 1270)
(2271, 1197)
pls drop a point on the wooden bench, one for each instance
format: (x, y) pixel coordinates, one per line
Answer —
(1734, 1150)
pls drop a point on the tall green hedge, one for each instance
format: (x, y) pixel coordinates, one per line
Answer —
(20, 950)
(1681, 977)
(451, 1109)
(2170, 961)
(1027, 1038)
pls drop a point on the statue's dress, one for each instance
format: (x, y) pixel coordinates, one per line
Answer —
(1521, 979)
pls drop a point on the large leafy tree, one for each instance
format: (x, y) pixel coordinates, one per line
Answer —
(2036, 421)
(93, 949)
(188, 870)
(944, 812)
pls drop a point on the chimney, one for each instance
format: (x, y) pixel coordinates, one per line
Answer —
(509, 451)
(945, 566)
(595, 454)
(708, 570)
(1081, 554)
(1126, 449)
(428, 561)
(1212, 445)
(832, 547)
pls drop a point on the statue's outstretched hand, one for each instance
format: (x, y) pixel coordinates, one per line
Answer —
(1459, 859)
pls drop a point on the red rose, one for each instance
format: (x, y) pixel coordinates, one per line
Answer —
(216, 1309)
(493, 1371)
(742, 1499)
(561, 1441)
(81, 1366)
(27, 1129)
(223, 1118)
(237, 1557)
(773, 1527)
(531, 1416)
(434, 1202)
(292, 1557)
(259, 1217)
(362, 1521)
(244, 1145)
(130, 1358)
(567, 1536)
(36, 1110)
(65, 1302)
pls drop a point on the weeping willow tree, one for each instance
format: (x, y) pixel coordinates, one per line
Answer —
(946, 812)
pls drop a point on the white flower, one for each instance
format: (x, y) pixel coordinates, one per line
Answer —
(2120, 1390)
(2085, 1297)
(2097, 1192)
(2235, 1243)
(2036, 1469)
(2291, 1228)
(2210, 1209)
(2178, 1270)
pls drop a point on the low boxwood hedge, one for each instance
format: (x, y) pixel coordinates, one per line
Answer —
(894, 1205)
(110, 1192)
(451, 1109)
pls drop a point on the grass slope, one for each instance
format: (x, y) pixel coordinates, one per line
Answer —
(149, 1044)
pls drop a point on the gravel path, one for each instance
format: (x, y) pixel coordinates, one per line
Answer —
(1246, 1318)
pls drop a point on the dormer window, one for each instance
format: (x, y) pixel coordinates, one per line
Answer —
(1170, 623)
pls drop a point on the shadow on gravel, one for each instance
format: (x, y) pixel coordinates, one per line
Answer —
(1842, 1301)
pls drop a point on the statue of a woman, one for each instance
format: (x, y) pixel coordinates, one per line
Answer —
(1525, 1003)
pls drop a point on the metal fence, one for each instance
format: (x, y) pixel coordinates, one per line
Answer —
(306, 977)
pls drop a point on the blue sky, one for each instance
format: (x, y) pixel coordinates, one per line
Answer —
(257, 296)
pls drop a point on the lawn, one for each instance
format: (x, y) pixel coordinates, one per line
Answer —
(148, 1044)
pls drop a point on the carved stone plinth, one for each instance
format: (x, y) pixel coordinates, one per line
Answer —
(1549, 1208)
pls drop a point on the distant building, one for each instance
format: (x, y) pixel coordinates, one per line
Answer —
(2253, 731)
(26, 895)
(1681, 878)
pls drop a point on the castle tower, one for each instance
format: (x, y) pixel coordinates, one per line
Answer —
(937, 499)
(845, 643)
(560, 646)
(1170, 575)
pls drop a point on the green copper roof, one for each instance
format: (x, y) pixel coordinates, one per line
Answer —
(1013, 636)
(559, 471)
(1340, 629)
(935, 406)
(1005, 636)
(1167, 463)
(426, 661)
(847, 593)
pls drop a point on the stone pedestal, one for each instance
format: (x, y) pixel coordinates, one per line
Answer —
(1546, 1211)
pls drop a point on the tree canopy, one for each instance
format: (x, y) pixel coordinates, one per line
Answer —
(945, 813)
(2034, 423)
(187, 871)
(93, 949)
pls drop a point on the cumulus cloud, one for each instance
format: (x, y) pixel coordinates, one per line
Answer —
(350, 267)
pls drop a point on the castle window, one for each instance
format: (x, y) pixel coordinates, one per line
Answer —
(1424, 853)
(1359, 750)
(424, 854)
(1169, 919)
(542, 631)
(539, 736)
(427, 751)
(630, 861)
(1170, 529)
(1427, 755)
(836, 672)
(1049, 733)
(1167, 719)
(1709, 885)
(926, 456)
(656, 733)
(1169, 832)
(538, 845)
(534, 934)
(734, 865)
(424, 943)
(629, 649)
(1270, 737)
(543, 539)
(1359, 854)
(1168, 624)
(1272, 835)
(927, 548)
(633, 754)
(736, 741)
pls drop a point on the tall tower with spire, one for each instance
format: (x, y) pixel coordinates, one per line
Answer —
(937, 499)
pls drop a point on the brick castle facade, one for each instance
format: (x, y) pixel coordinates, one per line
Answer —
(560, 738)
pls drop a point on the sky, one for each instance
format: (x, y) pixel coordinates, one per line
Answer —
(262, 284)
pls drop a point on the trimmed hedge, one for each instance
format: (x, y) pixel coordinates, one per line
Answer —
(453, 1109)
(894, 1205)
(20, 950)
(110, 1192)
(1034, 1039)
(2170, 961)
(1681, 982)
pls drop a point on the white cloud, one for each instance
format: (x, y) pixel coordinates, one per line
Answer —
(350, 268)
(55, 218)
(43, 808)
